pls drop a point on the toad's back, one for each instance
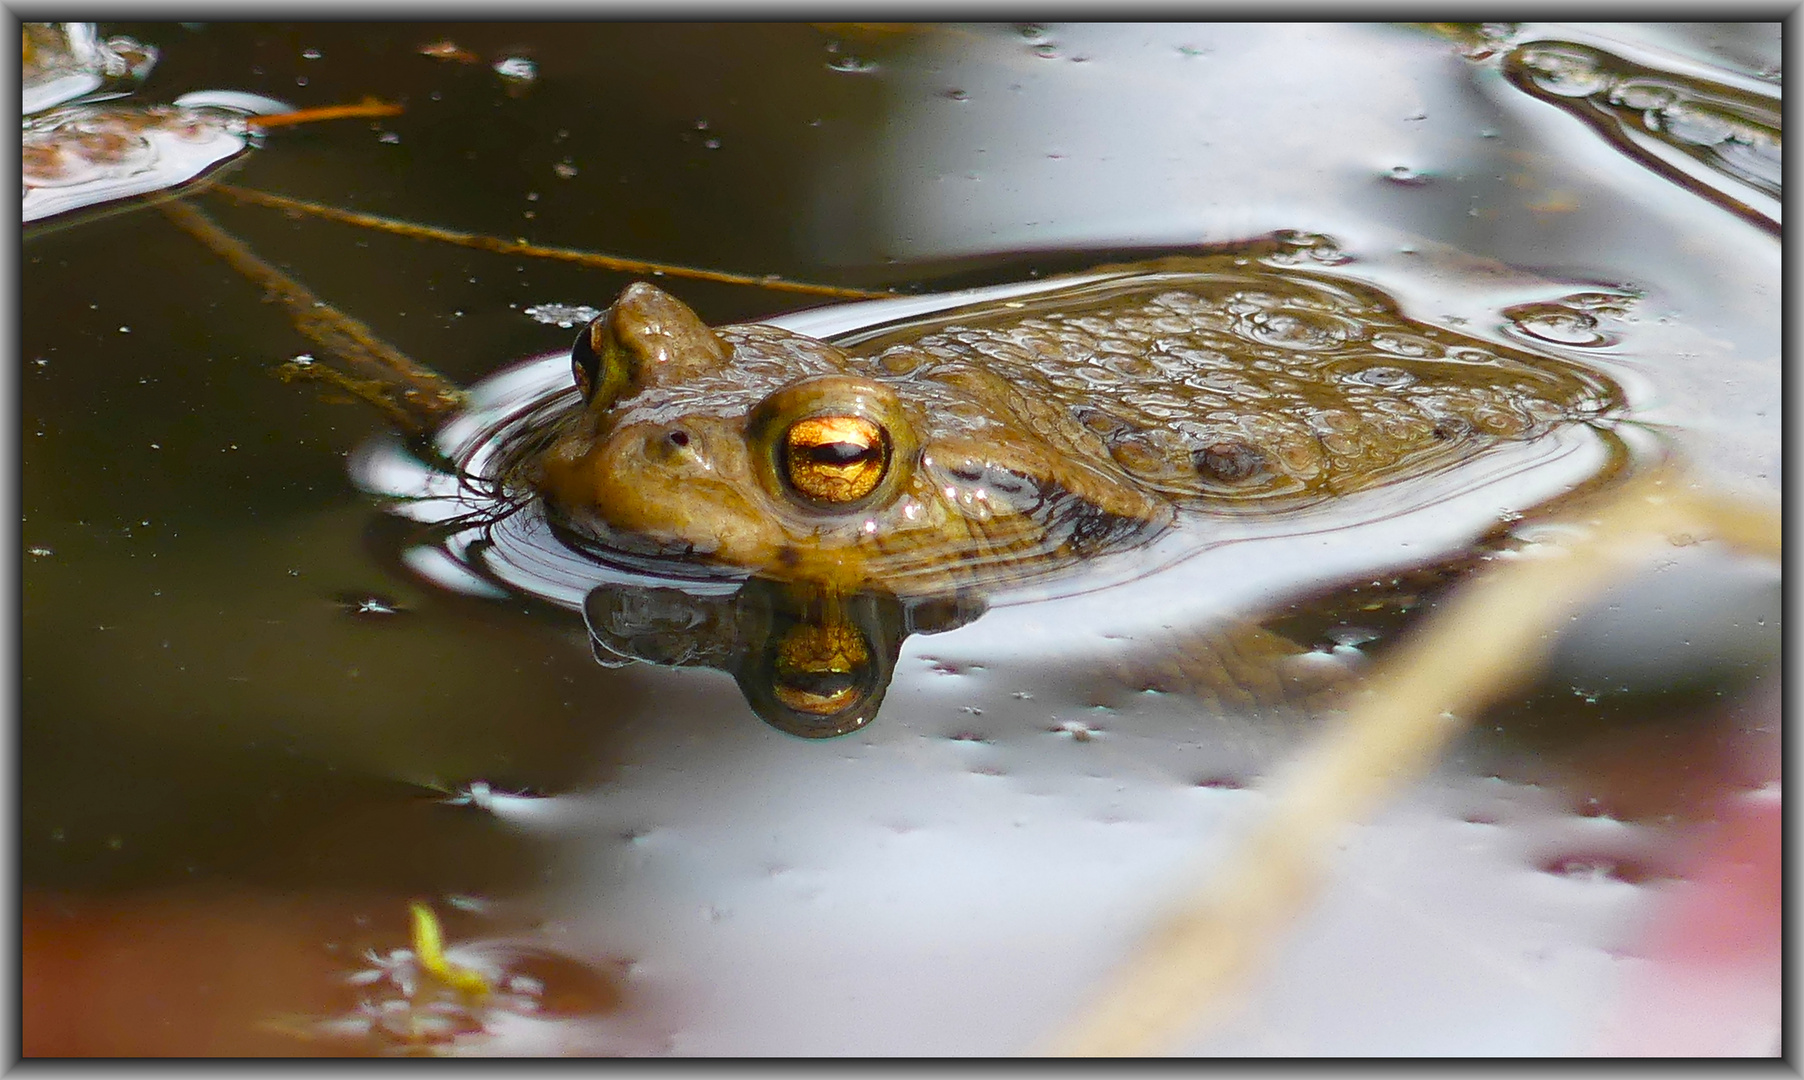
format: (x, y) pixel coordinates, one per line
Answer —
(1232, 385)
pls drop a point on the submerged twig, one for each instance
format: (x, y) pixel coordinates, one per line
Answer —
(414, 397)
(368, 107)
(1489, 637)
(521, 247)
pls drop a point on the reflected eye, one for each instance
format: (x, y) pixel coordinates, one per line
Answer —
(821, 670)
(835, 459)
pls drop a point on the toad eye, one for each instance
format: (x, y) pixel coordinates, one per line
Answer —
(835, 459)
(832, 445)
(586, 360)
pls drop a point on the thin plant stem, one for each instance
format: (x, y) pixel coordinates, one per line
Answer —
(1489, 637)
(536, 251)
(414, 397)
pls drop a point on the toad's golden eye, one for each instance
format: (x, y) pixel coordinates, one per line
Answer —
(835, 459)
(588, 363)
(832, 445)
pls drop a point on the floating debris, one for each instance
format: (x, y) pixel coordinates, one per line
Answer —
(449, 50)
(516, 69)
(564, 315)
(67, 61)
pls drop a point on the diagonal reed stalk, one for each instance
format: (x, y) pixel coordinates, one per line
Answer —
(537, 251)
(1490, 636)
(412, 396)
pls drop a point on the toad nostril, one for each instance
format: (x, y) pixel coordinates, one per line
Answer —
(679, 438)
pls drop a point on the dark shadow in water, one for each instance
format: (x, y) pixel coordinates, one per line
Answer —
(810, 661)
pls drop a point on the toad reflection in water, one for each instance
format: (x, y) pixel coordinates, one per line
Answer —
(855, 492)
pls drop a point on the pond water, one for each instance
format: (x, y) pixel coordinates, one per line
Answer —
(261, 712)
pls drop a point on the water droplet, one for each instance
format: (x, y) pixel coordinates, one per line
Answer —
(956, 95)
(1557, 323)
(40, 552)
(1295, 247)
(125, 329)
(564, 315)
(1385, 378)
(852, 65)
(1602, 303)
(1352, 636)
(1049, 52)
(564, 169)
(1077, 730)
(1596, 868)
(311, 54)
(388, 137)
(371, 604)
(1408, 177)
(1298, 329)
(1565, 70)
(712, 144)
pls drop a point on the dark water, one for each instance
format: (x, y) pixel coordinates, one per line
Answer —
(243, 713)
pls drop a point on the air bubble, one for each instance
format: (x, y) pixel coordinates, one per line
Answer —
(1557, 324)
(1384, 378)
(1408, 177)
(1307, 330)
